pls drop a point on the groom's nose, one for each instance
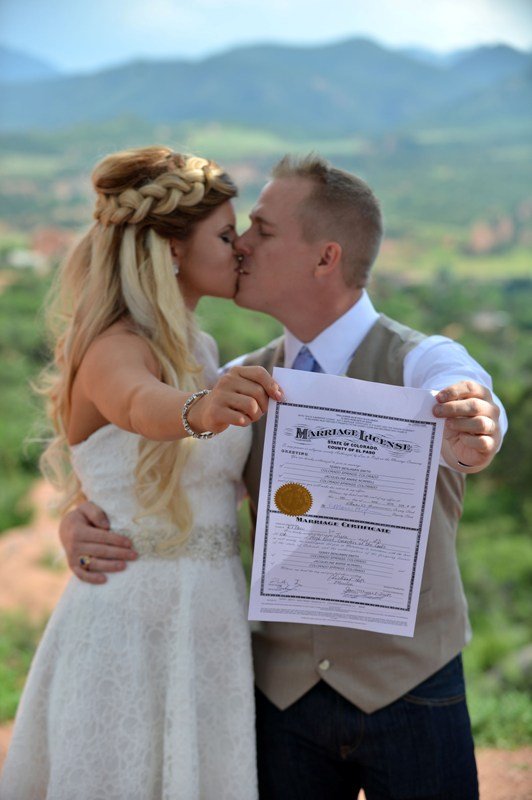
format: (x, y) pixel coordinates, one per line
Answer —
(241, 245)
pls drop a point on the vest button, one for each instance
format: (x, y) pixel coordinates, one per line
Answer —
(325, 664)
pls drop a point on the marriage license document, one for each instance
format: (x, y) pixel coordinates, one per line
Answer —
(348, 477)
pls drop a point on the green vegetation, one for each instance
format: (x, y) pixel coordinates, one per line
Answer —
(53, 562)
(22, 353)
(495, 554)
(236, 330)
(18, 640)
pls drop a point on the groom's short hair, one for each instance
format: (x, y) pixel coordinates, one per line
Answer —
(341, 207)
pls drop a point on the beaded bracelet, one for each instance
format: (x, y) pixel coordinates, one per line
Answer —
(184, 413)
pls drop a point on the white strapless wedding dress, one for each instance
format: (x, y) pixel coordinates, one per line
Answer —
(141, 688)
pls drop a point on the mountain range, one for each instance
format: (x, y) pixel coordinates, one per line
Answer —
(348, 88)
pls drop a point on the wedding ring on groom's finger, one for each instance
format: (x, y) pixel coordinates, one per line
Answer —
(84, 561)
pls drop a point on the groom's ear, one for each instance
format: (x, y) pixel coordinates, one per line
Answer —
(330, 257)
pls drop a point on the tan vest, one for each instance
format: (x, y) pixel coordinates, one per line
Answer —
(369, 669)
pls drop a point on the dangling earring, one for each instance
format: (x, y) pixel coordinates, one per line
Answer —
(176, 267)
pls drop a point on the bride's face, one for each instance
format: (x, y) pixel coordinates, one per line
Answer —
(207, 261)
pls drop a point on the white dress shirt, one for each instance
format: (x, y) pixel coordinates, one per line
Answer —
(433, 364)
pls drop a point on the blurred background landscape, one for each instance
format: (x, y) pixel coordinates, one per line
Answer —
(444, 139)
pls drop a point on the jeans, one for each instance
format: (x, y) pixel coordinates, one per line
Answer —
(324, 748)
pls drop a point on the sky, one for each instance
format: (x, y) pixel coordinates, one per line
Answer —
(86, 35)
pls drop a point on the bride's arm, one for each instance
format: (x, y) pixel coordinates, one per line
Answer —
(119, 377)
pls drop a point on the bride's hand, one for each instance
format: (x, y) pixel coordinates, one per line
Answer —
(239, 397)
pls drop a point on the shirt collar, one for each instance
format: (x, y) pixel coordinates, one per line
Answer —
(334, 347)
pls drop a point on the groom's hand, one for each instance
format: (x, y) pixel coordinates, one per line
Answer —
(84, 532)
(472, 433)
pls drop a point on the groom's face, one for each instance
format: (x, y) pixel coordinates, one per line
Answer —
(277, 262)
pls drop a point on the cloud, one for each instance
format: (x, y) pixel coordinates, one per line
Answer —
(159, 15)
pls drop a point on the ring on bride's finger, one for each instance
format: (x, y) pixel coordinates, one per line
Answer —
(84, 561)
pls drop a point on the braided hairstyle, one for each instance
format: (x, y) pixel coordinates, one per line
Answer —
(155, 187)
(122, 269)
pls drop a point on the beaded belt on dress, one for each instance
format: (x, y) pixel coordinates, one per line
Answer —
(205, 542)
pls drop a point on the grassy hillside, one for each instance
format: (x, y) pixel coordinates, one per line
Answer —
(453, 200)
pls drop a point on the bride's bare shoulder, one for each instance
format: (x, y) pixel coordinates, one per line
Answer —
(120, 343)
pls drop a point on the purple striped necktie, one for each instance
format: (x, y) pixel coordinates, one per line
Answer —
(306, 361)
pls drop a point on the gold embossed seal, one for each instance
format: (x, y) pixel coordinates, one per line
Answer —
(293, 499)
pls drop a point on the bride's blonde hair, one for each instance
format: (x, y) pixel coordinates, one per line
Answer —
(122, 268)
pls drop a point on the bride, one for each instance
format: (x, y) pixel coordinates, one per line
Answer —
(142, 689)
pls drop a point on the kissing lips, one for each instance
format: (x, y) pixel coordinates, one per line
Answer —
(241, 270)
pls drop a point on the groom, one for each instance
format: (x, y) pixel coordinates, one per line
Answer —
(341, 709)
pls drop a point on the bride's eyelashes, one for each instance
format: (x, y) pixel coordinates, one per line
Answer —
(228, 236)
